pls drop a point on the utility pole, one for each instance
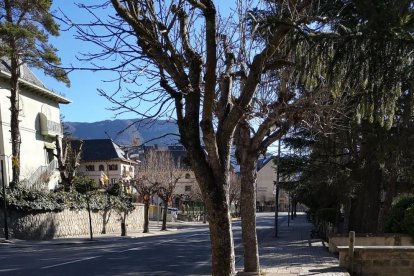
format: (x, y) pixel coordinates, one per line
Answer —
(6, 228)
(277, 192)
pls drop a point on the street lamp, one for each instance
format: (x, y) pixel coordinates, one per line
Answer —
(277, 191)
(6, 228)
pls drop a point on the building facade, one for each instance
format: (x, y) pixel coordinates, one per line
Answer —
(266, 188)
(39, 125)
(106, 163)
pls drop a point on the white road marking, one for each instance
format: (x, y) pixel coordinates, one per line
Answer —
(71, 262)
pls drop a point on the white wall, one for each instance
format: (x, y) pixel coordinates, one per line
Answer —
(33, 153)
(265, 182)
(96, 174)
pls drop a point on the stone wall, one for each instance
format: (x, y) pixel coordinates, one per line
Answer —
(378, 260)
(68, 223)
(369, 240)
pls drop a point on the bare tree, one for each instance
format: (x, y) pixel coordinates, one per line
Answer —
(235, 190)
(208, 72)
(68, 158)
(165, 172)
(146, 190)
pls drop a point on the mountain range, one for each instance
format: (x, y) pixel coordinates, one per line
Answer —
(126, 131)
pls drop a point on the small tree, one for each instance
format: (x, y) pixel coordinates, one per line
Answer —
(24, 30)
(68, 158)
(145, 190)
(235, 190)
(166, 173)
(122, 205)
(87, 187)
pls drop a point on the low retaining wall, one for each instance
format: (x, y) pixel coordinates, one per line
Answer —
(378, 260)
(369, 240)
(68, 223)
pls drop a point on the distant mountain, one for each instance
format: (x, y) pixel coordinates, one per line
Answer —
(123, 132)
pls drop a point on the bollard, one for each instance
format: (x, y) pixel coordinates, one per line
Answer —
(351, 251)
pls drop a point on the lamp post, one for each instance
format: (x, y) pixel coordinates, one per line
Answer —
(277, 191)
(6, 228)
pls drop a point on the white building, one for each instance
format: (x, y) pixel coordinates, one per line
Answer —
(39, 124)
(265, 186)
(105, 162)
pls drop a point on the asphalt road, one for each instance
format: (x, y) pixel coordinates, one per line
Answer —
(184, 252)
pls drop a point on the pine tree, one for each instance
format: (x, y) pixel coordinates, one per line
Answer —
(25, 27)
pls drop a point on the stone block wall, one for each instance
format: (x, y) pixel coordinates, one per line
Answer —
(378, 260)
(69, 223)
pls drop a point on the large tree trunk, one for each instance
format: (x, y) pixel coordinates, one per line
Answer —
(14, 120)
(214, 186)
(146, 219)
(164, 216)
(221, 236)
(248, 173)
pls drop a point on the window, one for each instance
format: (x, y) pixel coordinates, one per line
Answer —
(113, 167)
(114, 180)
(187, 176)
(187, 188)
(90, 168)
(101, 168)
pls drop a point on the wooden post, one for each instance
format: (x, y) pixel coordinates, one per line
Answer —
(351, 251)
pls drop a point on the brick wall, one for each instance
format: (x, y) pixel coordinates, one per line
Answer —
(68, 223)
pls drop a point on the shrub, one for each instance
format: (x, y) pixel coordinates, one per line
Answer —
(408, 222)
(115, 189)
(22, 198)
(85, 185)
(394, 222)
(32, 200)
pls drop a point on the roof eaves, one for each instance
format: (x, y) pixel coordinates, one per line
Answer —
(39, 89)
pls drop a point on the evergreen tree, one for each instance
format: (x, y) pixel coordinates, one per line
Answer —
(24, 30)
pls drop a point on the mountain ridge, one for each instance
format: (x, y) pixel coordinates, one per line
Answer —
(127, 131)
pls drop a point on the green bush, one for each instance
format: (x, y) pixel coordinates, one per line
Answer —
(115, 189)
(408, 221)
(394, 222)
(85, 185)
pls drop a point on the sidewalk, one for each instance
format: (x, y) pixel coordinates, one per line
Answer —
(295, 253)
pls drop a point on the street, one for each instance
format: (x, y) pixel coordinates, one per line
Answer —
(183, 252)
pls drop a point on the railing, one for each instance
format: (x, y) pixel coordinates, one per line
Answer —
(42, 175)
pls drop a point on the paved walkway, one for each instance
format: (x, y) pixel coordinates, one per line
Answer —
(295, 253)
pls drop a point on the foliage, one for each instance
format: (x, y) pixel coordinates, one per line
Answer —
(327, 215)
(115, 189)
(24, 30)
(397, 222)
(122, 204)
(31, 200)
(408, 221)
(24, 199)
(85, 185)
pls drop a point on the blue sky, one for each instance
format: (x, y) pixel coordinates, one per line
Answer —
(87, 105)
